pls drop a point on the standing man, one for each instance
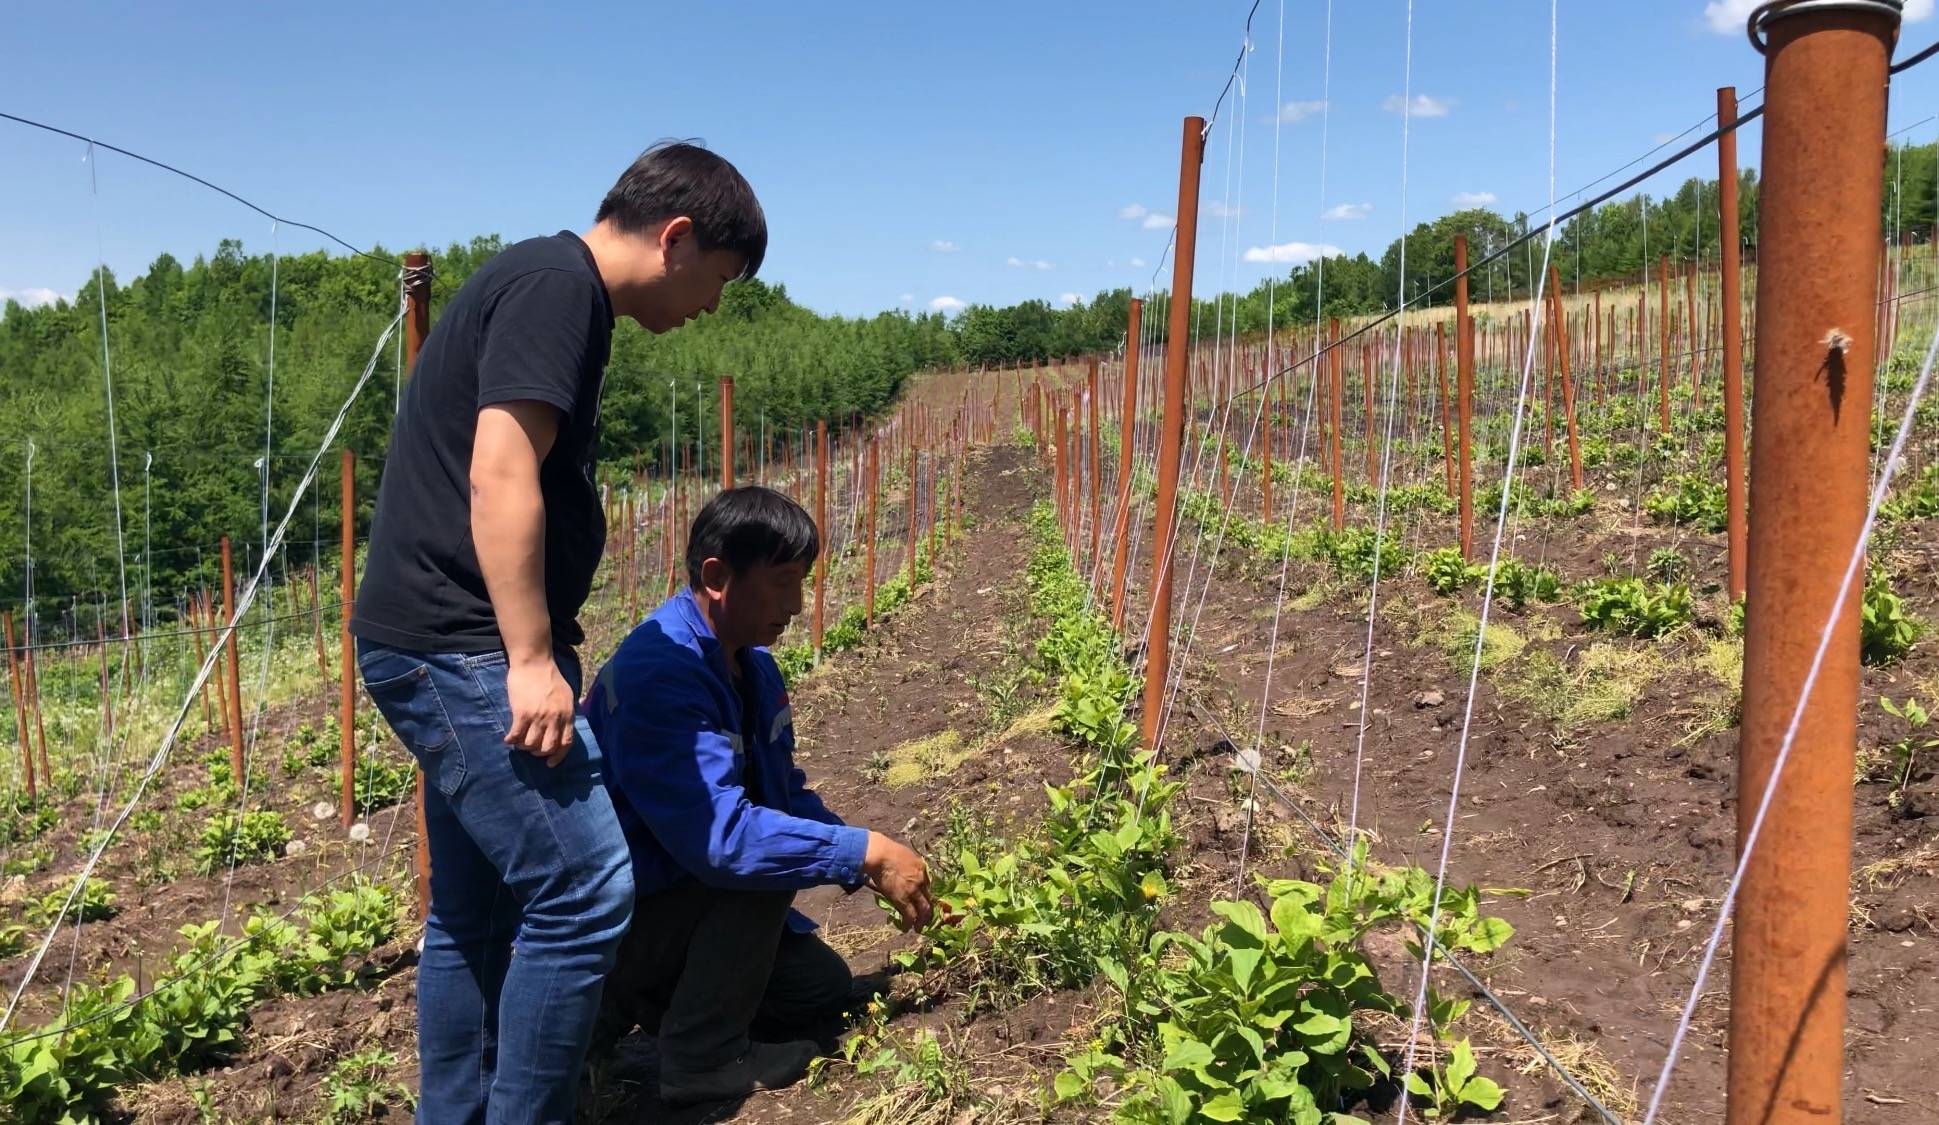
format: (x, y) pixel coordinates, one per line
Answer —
(487, 533)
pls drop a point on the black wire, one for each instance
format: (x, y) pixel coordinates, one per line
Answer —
(265, 213)
(1915, 60)
(1244, 46)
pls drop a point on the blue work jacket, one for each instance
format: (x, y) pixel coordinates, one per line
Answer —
(700, 794)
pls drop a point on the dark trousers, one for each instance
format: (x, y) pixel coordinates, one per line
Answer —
(712, 968)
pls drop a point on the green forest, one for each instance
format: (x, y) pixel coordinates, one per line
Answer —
(190, 347)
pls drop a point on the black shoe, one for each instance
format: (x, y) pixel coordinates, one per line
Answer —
(766, 1066)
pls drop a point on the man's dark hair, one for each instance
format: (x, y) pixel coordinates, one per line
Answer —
(750, 526)
(675, 178)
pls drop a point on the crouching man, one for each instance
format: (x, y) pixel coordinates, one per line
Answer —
(693, 717)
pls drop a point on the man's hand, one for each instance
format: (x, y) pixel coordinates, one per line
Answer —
(899, 875)
(542, 710)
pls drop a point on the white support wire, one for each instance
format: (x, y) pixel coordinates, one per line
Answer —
(1488, 595)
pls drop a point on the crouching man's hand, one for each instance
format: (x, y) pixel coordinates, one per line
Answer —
(899, 875)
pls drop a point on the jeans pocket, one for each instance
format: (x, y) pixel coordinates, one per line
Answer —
(410, 703)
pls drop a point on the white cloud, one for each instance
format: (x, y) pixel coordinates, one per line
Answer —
(1155, 221)
(31, 297)
(1015, 262)
(1296, 253)
(946, 305)
(1069, 299)
(944, 246)
(906, 299)
(1219, 209)
(1132, 211)
(1137, 263)
(1421, 105)
(1728, 17)
(1662, 138)
(1292, 113)
(1347, 212)
(1472, 198)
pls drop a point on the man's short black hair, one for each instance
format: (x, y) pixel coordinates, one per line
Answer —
(750, 526)
(675, 178)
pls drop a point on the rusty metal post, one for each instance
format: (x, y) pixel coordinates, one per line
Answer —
(1464, 391)
(1818, 248)
(1447, 410)
(1127, 434)
(1733, 341)
(868, 545)
(233, 696)
(1561, 343)
(417, 293)
(1339, 443)
(1663, 345)
(726, 432)
(347, 689)
(20, 711)
(1090, 472)
(821, 526)
(909, 544)
(1171, 438)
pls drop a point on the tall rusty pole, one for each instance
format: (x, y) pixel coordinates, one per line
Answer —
(232, 699)
(1171, 435)
(347, 689)
(1464, 392)
(1558, 322)
(1127, 434)
(821, 526)
(1663, 343)
(726, 432)
(417, 326)
(20, 712)
(1733, 334)
(1818, 255)
(1090, 472)
(868, 544)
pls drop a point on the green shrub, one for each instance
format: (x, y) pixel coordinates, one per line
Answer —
(1633, 607)
(1667, 564)
(253, 837)
(1447, 571)
(95, 903)
(381, 780)
(1885, 630)
(1689, 498)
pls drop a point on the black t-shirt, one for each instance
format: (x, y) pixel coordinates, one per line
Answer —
(533, 324)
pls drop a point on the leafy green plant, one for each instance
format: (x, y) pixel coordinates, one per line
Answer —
(1905, 751)
(382, 780)
(253, 837)
(1667, 564)
(1447, 571)
(1689, 498)
(27, 820)
(1633, 607)
(95, 903)
(1256, 1019)
(1579, 502)
(1886, 631)
(356, 1087)
(13, 939)
(1457, 1087)
(1517, 584)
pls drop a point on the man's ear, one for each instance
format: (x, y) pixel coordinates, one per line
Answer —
(714, 575)
(677, 231)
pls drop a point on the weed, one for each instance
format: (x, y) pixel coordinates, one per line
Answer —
(356, 1089)
(1885, 630)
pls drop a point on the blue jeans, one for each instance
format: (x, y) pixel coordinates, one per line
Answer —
(521, 854)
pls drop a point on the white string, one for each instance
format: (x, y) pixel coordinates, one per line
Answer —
(1488, 594)
(107, 377)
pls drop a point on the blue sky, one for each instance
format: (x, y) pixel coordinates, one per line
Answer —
(906, 153)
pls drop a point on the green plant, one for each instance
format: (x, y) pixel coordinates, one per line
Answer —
(1517, 584)
(13, 939)
(1457, 1087)
(381, 780)
(356, 1087)
(252, 837)
(1905, 751)
(1633, 607)
(1570, 505)
(1256, 1019)
(1447, 571)
(1886, 631)
(1667, 564)
(1689, 498)
(95, 903)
